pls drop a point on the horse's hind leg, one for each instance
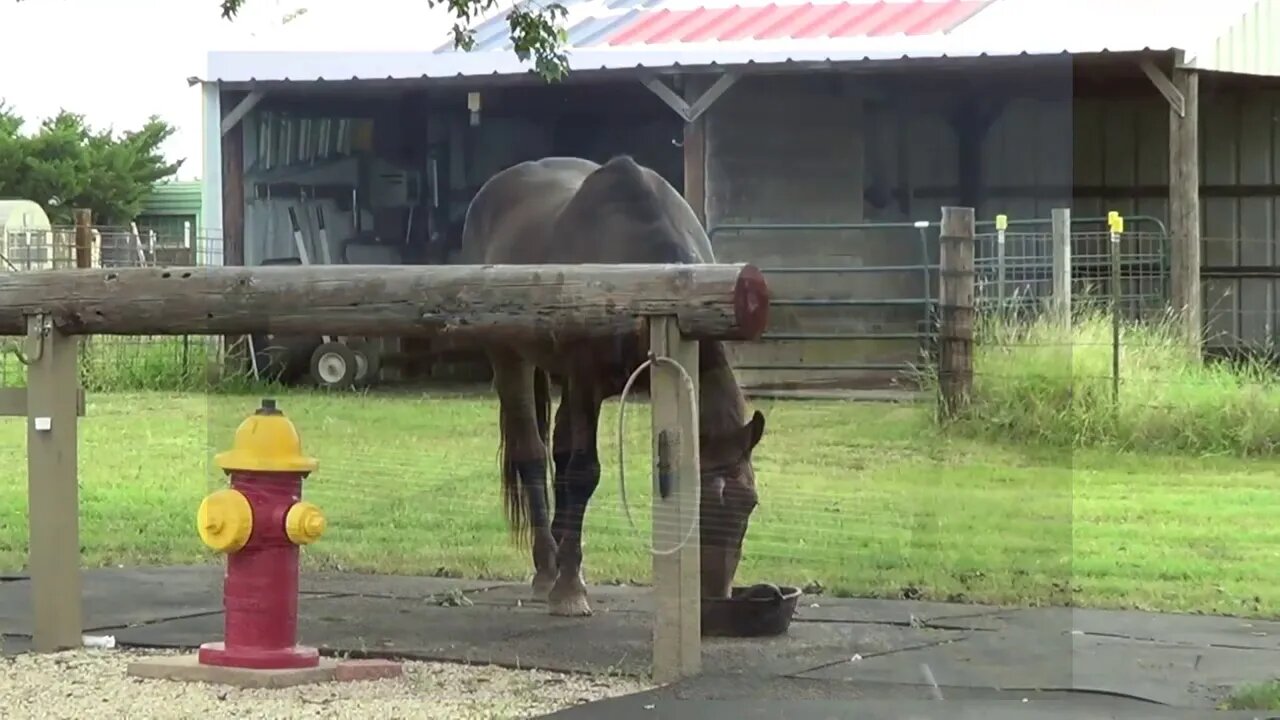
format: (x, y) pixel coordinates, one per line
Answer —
(524, 463)
(575, 448)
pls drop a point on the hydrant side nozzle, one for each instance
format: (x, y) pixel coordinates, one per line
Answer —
(224, 520)
(266, 442)
(304, 523)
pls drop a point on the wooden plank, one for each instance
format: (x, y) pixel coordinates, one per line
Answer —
(13, 402)
(84, 237)
(677, 631)
(1061, 232)
(1184, 208)
(52, 492)
(955, 330)
(724, 301)
(246, 105)
(695, 161)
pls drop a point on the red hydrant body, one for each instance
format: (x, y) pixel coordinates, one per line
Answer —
(259, 522)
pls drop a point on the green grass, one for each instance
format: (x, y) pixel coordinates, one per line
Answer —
(1261, 696)
(865, 499)
(1037, 382)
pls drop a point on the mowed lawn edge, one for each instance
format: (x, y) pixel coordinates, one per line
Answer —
(856, 499)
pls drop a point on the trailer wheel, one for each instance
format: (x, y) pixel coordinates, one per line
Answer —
(334, 366)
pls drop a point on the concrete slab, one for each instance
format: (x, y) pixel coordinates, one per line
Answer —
(1205, 630)
(118, 597)
(660, 705)
(899, 612)
(187, 668)
(389, 586)
(529, 637)
(1175, 675)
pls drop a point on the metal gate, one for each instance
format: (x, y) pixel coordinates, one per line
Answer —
(889, 325)
(890, 304)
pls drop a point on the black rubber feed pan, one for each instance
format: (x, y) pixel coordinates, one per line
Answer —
(754, 611)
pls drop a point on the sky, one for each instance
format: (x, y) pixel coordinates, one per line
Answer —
(119, 61)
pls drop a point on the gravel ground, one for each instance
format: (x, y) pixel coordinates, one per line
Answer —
(92, 683)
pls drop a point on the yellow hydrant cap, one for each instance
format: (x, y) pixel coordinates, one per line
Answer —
(266, 442)
(304, 523)
(225, 520)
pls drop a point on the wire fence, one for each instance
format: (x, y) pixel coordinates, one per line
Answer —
(159, 362)
(1124, 369)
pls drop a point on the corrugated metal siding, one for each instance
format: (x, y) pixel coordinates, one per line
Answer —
(174, 198)
(765, 167)
(1249, 45)
(1240, 146)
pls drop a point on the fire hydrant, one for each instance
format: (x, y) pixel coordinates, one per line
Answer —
(259, 523)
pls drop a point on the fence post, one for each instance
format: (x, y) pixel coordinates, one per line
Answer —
(1061, 298)
(1115, 228)
(52, 494)
(955, 330)
(84, 237)
(677, 631)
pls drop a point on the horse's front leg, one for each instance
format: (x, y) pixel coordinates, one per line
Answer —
(581, 476)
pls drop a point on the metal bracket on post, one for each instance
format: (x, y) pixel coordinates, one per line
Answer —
(53, 404)
(677, 632)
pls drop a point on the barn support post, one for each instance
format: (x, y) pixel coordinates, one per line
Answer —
(1181, 89)
(677, 629)
(1061, 237)
(53, 404)
(84, 237)
(698, 97)
(955, 327)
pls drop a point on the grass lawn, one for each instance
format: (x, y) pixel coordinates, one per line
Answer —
(865, 499)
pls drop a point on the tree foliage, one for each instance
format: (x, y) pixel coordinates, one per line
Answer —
(66, 164)
(536, 30)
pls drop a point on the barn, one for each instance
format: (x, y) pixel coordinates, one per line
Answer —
(817, 140)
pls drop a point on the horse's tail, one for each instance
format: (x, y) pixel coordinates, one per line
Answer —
(515, 506)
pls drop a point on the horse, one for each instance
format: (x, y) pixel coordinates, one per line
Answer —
(564, 210)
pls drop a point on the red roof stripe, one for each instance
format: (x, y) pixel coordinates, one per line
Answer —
(818, 25)
(772, 21)
(946, 18)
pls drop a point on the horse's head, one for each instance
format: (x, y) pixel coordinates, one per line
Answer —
(728, 499)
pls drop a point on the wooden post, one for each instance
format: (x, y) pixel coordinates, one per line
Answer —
(1184, 207)
(84, 237)
(1061, 238)
(677, 630)
(52, 494)
(695, 156)
(955, 329)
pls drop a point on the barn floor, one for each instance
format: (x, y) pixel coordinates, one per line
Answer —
(887, 655)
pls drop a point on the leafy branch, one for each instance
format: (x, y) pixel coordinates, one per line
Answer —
(536, 30)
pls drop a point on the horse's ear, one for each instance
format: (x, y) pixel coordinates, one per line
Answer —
(753, 431)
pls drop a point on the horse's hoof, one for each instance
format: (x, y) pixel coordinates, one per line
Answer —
(541, 588)
(570, 606)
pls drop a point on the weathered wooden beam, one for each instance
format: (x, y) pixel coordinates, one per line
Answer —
(1177, 101)
(1184, 208)
(677, 627)
(690, 111)
(13, 402)
(242, 108)
(710, 302)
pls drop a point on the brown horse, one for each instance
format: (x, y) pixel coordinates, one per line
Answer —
(563, 210)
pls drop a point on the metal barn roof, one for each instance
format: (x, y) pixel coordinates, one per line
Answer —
(406, 39)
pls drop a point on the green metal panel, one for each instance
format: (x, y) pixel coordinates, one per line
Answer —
(174, 198)
(1250, 44)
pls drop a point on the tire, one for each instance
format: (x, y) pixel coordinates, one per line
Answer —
(334, 366)
(368, 362)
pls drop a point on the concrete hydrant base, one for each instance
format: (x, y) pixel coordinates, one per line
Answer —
(187, 668)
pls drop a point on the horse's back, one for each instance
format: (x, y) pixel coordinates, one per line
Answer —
(510, 219)
(564, 209)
